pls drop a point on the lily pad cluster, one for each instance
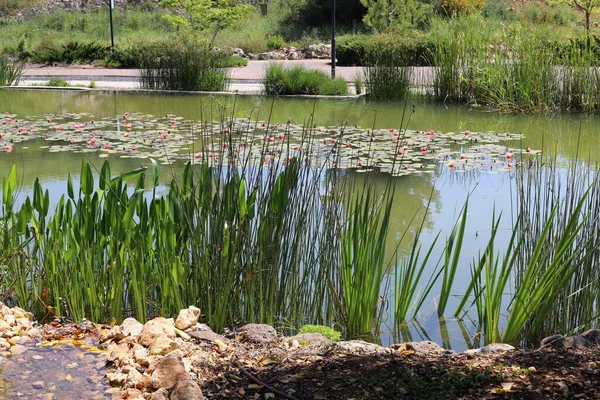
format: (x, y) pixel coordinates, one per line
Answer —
(170, 139)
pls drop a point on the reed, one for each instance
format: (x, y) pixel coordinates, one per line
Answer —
(386, 76)
(515, 67)
(182, 66)
(10, 71)
(300, 80)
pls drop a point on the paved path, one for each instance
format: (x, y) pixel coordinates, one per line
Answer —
(244, 78)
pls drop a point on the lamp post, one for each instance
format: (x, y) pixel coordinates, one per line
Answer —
(333, 38)
(111, 5)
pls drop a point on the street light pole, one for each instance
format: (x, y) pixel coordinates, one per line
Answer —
(333, 38)
(111, 5)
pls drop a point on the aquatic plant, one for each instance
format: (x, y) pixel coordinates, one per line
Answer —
(300, 80)
(10, 71)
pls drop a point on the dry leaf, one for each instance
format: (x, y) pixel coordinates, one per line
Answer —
(68, 377)
(266, 361)
(269, 395)
(254, 386)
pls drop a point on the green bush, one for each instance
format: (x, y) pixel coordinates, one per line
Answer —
(408, 50)
(233, 61)
(275, 42)
(299, 80)
(71, 52)
(56, 81)
(326, 331)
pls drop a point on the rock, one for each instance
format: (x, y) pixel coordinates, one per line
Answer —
(208, 336)
(37, 384)
(200, 327)
(257, 334)
(160, 394)
(116, 378)
(491, 348)
(187, 317)
(588, 339)
(359, 347)
(162, 345)
(269, 55)
(238, 52)
(18, 349)
(134, 379)
(186, 390)
(131, 327)
(425, 347)
(168, 371)
(115, 333)
(141, 356)
(156, 327)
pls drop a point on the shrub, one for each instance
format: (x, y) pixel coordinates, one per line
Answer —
(412, 50)
(275, 42)
(56, 81)
(453, 8)
(71, 52)
(299, 80)
(326, 331)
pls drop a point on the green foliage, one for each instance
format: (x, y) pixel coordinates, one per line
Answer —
(233, 61)
(454, 8)
(56, 81)
(395, 15)
(182, 66)
(71, 52)
(326, 331)
(200, 15)
(275, 42)
(413, 50)
(10, 71)
(299, 80)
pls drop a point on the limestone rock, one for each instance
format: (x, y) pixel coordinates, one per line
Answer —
(115, 333)
(257, 334)
(490, 348)
(131, 327)
(156, 327)
(168, 371)
(208, 336)
(186, 390)
(187, 317)
(588, 339)
(424, 347)
(160, 394)
(359, 347)
(162, 345)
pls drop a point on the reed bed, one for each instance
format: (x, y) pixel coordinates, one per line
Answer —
(514, 67)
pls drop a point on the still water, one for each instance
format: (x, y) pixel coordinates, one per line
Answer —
(563, 138)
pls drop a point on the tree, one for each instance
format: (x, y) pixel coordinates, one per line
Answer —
(384, 15)
(195, 16)
(587, 7)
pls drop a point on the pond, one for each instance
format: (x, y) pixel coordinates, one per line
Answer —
(467, 156)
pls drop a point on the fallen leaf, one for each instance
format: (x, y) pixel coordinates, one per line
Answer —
(269, 395)
(254, 386)
(68, 377)
(266, 361)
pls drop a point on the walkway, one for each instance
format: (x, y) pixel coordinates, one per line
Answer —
(245, 79)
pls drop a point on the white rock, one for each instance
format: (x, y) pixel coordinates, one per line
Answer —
(156, 327)
(162, 345)
(187, 317)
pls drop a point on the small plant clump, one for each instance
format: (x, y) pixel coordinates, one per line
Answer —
(58, 82)
(326, 331)
(300, 80)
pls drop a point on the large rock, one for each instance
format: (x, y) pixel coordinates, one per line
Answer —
(359, 347)
(423, 348)
(187, 318)
(588, 339)
(257, 334)
(162, 345)
(154, 328)
(491, 348)
(160, 394)
(131, 327)
(168, 371)
(186, 390)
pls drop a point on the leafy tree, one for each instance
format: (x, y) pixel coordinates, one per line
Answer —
(386, 15)
(587, 7)
(196, 16)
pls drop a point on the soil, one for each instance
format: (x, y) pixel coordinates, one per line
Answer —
(516, 374)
